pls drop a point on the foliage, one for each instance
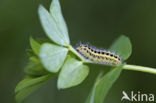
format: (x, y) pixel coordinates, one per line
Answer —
(52, 57)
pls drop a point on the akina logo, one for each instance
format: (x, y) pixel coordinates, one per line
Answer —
(137, 97)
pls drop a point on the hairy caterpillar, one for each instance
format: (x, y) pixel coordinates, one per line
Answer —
(98, 55)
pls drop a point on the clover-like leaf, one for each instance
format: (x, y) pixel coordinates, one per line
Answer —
(34, 67)
(29, 85)
(35, 46)
(73, 73)
(122, 46)
(52, 28)
(56, 13)
(103, 85)
(52, 56)
(91, 97)
(30, 53)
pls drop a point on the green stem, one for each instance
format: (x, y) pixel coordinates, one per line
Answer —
(76, 53)
(140, 68)
(126, 67)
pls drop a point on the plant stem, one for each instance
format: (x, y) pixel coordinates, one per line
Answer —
(76, 53)
(126, 66)
(140, 68)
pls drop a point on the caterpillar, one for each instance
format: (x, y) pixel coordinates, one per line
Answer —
(99, 56)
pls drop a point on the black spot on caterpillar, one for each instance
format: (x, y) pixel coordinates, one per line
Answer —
(98, 55)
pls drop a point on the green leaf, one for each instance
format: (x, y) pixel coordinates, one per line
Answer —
(122, 46)
(43, 40)
(30, 53)
(91, 97)
(51, 27)
(56, 13)
(72, 73)
(103, 85)
(29, 81)
(35, 46)
(29, 85)
(52, 56)
(20, 96)
(34, 67)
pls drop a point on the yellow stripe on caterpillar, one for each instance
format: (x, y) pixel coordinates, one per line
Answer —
(98, 55)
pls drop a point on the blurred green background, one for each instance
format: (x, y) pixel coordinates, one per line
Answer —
(96, 21)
